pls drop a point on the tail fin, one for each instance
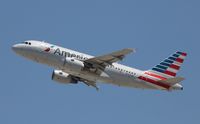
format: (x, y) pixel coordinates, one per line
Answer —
(170, 66)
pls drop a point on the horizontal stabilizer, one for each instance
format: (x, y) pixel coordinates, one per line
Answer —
(172, 81)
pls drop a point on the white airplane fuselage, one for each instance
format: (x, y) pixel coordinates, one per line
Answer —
(64, 59)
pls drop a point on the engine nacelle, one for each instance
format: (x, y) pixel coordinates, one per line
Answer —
(73, 64)
(63, 77)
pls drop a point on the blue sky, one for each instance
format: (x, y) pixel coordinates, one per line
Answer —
(156, 28)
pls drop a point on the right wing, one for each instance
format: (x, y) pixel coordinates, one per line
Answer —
(108, 59)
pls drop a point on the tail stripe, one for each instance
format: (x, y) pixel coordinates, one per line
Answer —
(159, 70)
(172, 70)
(165, 64)
(172, 58)
(175, 55)
(182, 53)
(170, 66)
(174, 66)
(179, 60)
(168, 61)
(161, 67)
(170, 73)
(177, 63)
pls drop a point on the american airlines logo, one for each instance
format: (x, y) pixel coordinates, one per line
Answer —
(48, 49)
(63, 53)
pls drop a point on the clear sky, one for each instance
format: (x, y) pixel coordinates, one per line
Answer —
(156, 28)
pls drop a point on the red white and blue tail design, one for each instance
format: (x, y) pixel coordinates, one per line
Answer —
(170, 66)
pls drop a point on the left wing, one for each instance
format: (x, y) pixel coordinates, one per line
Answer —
(86, 81)
(90, 83)
(108, 59)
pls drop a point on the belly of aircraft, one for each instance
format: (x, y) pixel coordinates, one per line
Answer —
(124, 82)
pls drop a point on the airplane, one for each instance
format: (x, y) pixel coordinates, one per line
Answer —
(72, 67)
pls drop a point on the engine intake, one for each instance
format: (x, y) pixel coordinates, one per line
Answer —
(62, 77)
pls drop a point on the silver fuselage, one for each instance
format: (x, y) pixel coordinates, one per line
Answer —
(54, 56)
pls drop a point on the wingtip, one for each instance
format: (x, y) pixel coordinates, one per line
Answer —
(134, 50)
(131, 49)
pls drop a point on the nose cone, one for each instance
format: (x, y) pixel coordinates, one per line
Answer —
(15, 48)
(18, 49)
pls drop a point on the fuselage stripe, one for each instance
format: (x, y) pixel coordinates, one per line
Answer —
(154, 82)
(155, 75)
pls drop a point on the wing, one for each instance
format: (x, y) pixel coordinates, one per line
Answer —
(90, 83)
(86, 81)
(108, 59)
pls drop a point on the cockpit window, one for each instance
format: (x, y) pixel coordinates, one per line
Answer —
(25, 42)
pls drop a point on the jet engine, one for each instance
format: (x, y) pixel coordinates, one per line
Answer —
(73, 64)
(63, 77)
